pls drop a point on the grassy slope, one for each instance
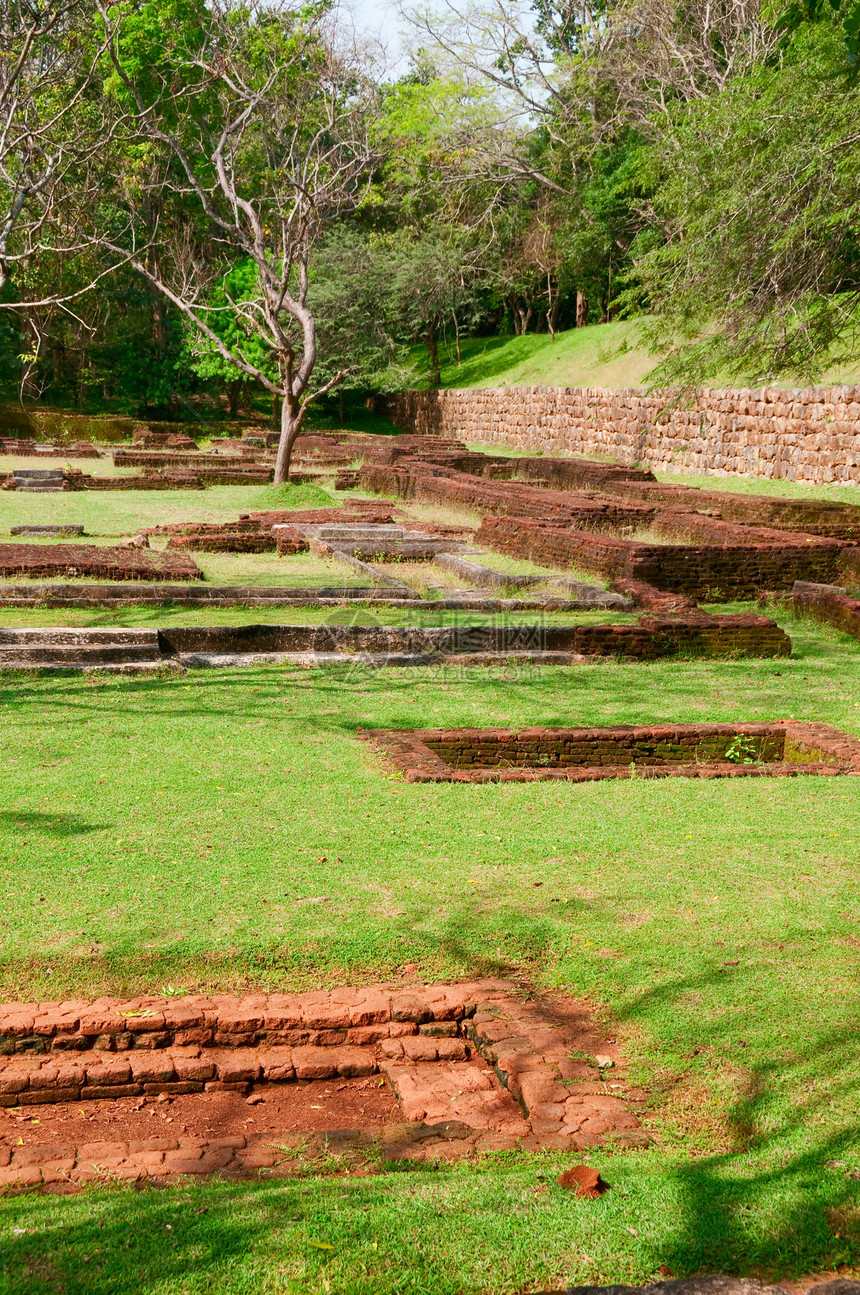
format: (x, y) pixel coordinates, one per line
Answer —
(601, 355)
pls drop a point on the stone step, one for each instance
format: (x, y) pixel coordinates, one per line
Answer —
(76, 655)
(368, 551)
(13, 665)
(41, 490)
(37, 474)
(98, 595)
(380, 660)
(71, 528)
(338, 530)
(484, 577)
(63, 636)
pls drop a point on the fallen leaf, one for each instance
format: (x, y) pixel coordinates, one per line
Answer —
(633, 1232)
(603, 1062)
(320, 1245)
(583, 1181)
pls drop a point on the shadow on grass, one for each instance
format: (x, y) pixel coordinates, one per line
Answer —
(782, 1199)
(52, 824)
(772, 1203)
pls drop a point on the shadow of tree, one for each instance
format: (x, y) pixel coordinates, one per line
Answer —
(60, 824)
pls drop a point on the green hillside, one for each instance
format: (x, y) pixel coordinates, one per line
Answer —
(601, 355)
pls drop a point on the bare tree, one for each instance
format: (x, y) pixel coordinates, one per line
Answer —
(258, 138)
(51, 143)
(582, 68)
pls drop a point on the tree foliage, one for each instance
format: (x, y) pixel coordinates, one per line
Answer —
(230, 196)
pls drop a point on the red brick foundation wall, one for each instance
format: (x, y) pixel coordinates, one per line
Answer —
(588, 754)
(828, 603)
(711, 572)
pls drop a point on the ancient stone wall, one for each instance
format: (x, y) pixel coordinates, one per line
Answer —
(810, 434)
(712, 572)
(829, 603)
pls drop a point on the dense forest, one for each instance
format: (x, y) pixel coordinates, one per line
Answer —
(237, 199)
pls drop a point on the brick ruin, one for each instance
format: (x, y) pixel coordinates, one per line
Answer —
(254, 532)
(831, 604)
(810, 434)
(648, 640)
(102, 563)
(474, 1066)
(567, 512)
(783, 748)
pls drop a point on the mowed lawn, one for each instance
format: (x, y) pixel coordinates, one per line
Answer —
(227, 828)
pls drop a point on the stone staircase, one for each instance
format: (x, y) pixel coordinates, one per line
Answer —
(39, 480)
(369, 542)
(118, 651)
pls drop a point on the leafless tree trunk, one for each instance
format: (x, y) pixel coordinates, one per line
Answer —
(432, 345)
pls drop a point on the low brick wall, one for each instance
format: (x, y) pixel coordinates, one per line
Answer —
(481, 1065)
(223, 541)
(697, 634)
(175, 459)
(811, 516)
(217, 469)
(67, 450)
(712, 572)
(102, 563)
(474, 493)
(797, 435)
(780, 749)
(828, 603)
(170, 480)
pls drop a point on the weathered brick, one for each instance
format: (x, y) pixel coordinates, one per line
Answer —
(314, 1063)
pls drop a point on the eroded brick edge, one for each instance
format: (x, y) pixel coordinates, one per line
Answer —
(537, 1049)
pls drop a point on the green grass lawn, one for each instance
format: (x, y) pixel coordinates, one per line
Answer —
(227, 828)
(123, 512)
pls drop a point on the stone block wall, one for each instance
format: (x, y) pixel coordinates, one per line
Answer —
(810, 434)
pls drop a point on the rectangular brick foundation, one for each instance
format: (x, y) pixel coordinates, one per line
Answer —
(734, 564)
(780, 749)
